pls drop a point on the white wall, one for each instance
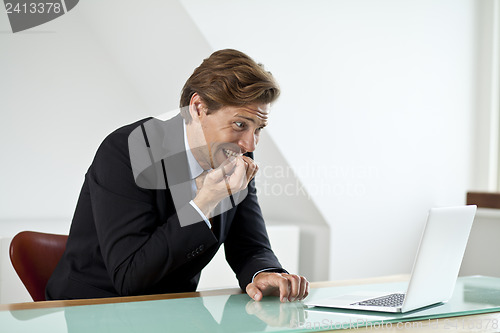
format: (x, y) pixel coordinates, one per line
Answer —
(67, 84)
(375, 116)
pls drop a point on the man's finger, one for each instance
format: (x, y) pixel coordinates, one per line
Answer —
(306, 292)
(294, 281)
(200, 180)
(237, 179)
(252, 170)
(304, 286)
(284, 286)
(226, 168)
(251, 167)
(254, 292)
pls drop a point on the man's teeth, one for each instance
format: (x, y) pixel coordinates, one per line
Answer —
(230, 153)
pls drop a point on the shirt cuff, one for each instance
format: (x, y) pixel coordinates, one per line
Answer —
(274, 269)
(204, 217)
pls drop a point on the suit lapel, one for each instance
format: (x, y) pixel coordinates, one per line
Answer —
(175, 163)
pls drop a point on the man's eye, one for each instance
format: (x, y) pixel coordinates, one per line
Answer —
(239, 124)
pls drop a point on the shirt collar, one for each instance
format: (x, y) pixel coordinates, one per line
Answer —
(195, 168)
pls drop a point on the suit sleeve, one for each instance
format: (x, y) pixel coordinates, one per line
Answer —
(247, 246)
(138, 248)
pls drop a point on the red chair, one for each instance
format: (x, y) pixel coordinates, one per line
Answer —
(34, 256)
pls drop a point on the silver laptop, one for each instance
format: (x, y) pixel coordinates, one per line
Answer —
(435, 270)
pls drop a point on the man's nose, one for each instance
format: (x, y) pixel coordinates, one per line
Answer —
(247, 142)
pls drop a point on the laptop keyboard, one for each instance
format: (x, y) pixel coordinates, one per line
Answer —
(392, 300)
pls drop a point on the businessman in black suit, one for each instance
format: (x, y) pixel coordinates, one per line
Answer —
(161, 197)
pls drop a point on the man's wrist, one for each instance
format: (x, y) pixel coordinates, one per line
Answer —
(192, 203)
(270, 270)
(205, 204)
(202, 206)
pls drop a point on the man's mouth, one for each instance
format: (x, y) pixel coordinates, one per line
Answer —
(230, 153)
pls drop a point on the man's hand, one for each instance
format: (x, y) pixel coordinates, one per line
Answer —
(289, 287)
(232, 176)
(251, 167)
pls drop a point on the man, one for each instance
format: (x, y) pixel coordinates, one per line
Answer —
(161, 197)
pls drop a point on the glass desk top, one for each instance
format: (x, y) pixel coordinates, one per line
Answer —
(238, 313)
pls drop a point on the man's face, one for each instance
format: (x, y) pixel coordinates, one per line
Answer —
(231, 130)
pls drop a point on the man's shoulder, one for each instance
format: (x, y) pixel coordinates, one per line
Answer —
(152, 126)
(127, 129)
(117, 142)
(140, 145)
(118, 139)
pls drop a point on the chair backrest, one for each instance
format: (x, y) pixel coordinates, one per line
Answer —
(34, 256)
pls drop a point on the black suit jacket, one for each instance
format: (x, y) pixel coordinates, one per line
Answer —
(127, 239)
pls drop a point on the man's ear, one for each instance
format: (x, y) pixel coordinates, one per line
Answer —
(197, 107)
